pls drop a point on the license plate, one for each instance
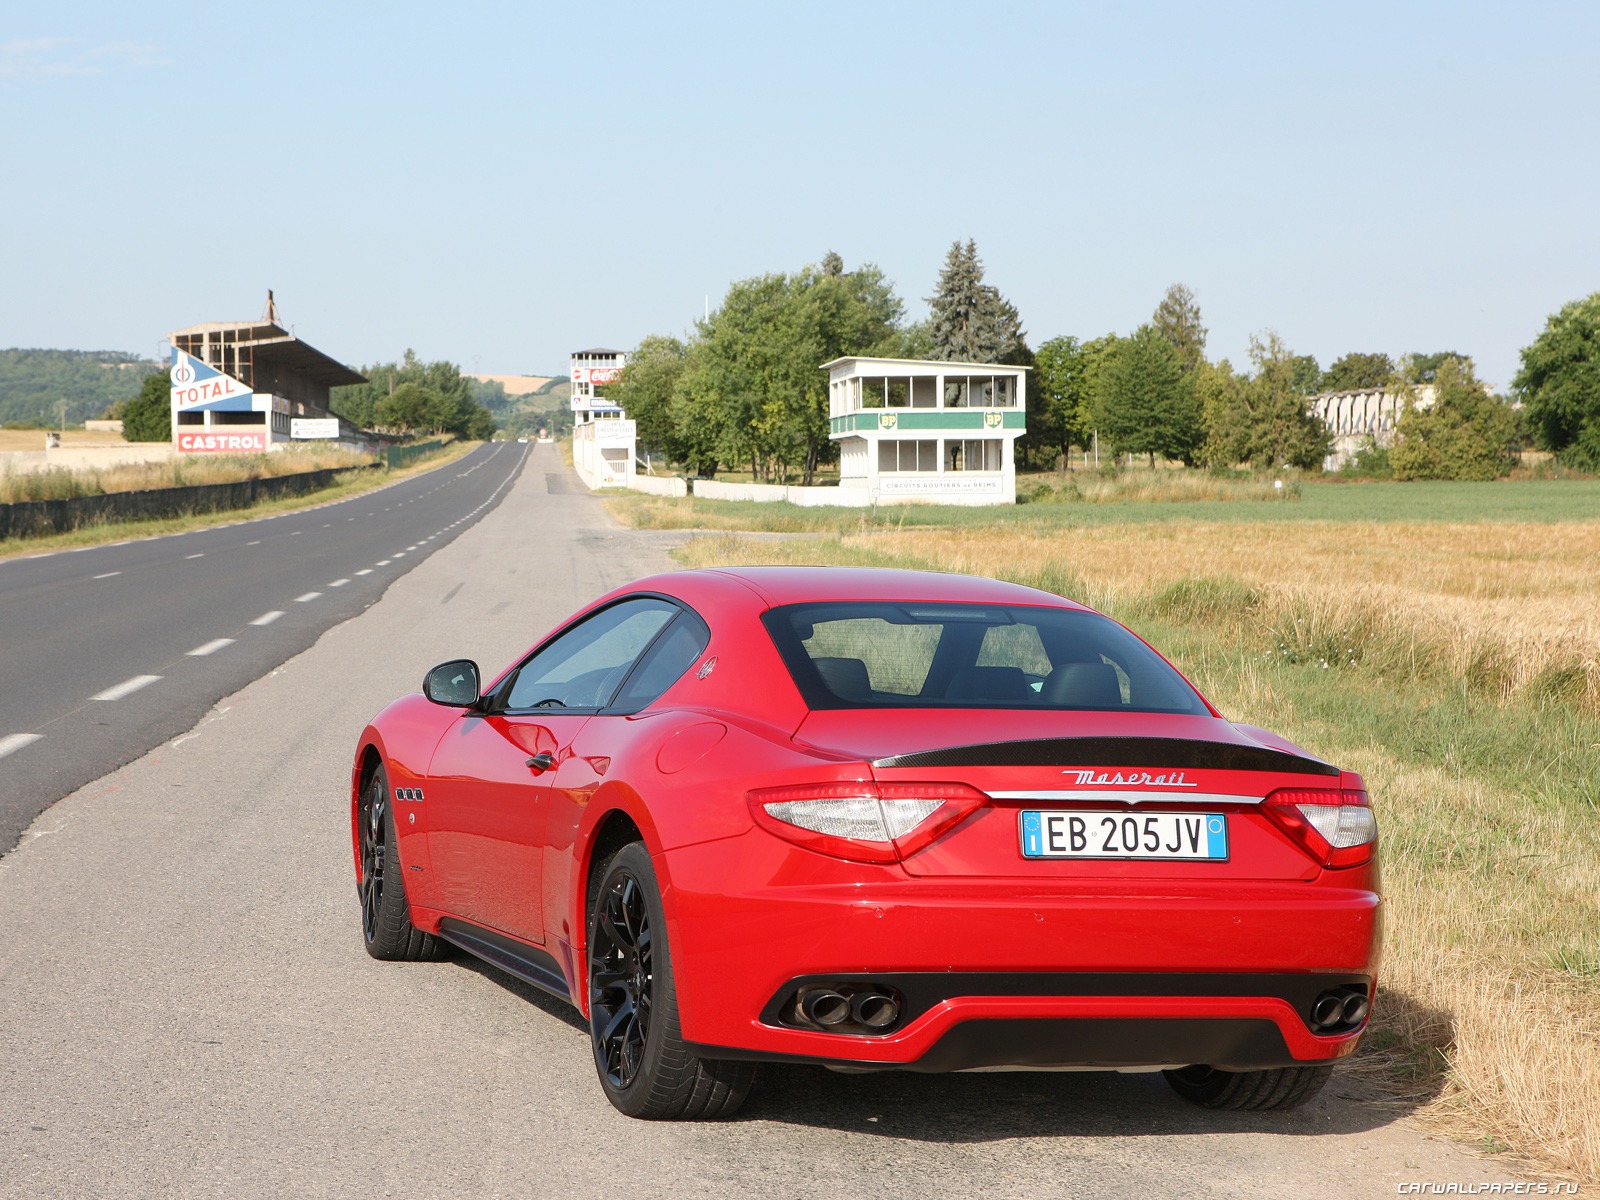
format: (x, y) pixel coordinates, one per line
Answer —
(1079, 834)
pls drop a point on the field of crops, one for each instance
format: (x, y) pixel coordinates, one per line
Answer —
(1443, 640)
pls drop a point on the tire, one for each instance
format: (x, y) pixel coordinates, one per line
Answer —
(386, 926)
(1273, 1090)
(644, 1067)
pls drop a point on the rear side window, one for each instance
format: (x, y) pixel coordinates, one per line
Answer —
(668, 657)
(884, 655)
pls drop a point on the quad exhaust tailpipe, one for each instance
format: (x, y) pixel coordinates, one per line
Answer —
(1340, 1011)
(848, 1009)
(824, 1007)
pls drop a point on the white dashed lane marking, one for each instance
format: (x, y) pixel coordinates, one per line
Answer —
(257, 542)
(384, 562)
(307, 598)
(364, 571)
(127, 687)
(210, 647)
(17, 741)
(339, 583)
(200, 555)
(267, 618)
(108, 574)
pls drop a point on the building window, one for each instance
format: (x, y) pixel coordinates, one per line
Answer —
(975, 454)
(908, 456)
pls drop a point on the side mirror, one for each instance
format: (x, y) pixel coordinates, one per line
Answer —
(454, 683)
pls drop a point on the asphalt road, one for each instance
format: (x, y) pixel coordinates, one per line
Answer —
(107, 652)
(186, 1010)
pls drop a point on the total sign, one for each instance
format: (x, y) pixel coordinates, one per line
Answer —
(196, 386)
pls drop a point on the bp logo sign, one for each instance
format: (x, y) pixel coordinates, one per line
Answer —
(886, 420)
(994, 420)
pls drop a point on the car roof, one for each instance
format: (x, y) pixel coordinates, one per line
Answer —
(798, 585)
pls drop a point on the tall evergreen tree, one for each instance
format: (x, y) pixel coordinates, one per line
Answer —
(972, 321)
(1177, 320)
(1145, 404)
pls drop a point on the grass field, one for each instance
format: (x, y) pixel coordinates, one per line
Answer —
(1442, 640)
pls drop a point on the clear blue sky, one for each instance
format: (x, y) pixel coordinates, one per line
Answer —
(500, 184)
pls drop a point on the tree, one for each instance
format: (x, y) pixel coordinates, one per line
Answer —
(971, 320)
(1559, 383)
(759, 353)
(452, 406)
(646, 387)
(408, 409)
(1263, 420)
(1306, 374)
(1357, 372)
(1144, 403)
(1058, 413)
(1177, 320)
(1424, 368)
(1464, 434)
(148, 416)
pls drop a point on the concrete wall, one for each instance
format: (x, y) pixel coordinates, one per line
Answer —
(87, 458)
(804, 497)
(659, 485)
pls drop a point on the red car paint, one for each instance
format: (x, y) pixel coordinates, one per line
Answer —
(986, 934)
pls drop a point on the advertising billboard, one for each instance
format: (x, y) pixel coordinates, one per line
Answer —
(197, 387)
(314, 427)
(242, 440)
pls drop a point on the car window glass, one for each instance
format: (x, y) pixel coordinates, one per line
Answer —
(896, 657)
(583, 667)
(671, 655)
(874, 654)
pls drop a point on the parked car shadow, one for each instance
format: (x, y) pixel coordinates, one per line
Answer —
(983, 1107)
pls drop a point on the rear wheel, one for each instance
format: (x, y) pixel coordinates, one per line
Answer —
(1257, 1091)
(386, 926)
(644, 1067)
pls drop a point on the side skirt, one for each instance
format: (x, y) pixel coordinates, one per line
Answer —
(527, 963)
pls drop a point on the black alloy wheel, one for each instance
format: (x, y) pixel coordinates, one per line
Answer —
(386, 927)
(623, 980)
(644, 1067)
(374, 849)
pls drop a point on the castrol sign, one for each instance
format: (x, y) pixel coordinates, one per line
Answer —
(218, 441)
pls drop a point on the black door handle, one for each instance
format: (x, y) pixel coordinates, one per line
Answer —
(542, 761)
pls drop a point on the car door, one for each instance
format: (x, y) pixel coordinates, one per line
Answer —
(492, 773)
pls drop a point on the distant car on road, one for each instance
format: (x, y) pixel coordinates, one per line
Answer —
(874, 819)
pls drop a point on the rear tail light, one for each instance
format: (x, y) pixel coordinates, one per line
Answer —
(865, 822)
(1335, 826)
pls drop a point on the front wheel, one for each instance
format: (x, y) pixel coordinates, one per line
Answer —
(386, 927)
(644, 1067)
(1256, 1091)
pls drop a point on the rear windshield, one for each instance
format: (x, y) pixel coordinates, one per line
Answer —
(884, 655)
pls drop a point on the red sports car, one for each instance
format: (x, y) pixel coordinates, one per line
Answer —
(874, 819)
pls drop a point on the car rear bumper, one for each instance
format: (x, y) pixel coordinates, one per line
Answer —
(993, 973)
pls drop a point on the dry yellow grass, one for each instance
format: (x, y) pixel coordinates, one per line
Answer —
(1526, 596)
(1491, 977)
(181, 471)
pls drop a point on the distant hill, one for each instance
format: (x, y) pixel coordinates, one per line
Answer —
(544, 408)
(516, 385)
(33, 383)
